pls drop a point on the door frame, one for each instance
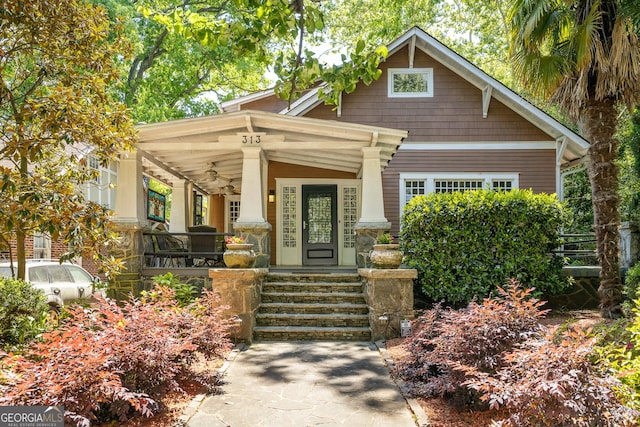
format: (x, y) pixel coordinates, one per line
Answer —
(307, 248)
(292, 255)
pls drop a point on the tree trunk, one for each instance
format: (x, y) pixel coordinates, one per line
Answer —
(599, 121)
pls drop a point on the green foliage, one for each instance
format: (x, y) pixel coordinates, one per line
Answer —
(384, 239)
(185, 293)
(59, 60)
(632, 285)
(23, 313)
(464, 244)
(579, 210)
(621, 355)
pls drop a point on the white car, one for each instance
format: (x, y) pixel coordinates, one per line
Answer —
(60, 282)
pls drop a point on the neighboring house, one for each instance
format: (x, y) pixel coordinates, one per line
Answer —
(312, 184)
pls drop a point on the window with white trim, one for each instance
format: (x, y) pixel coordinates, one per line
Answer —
(418, 184)
(102, 189)
(41, 246)
(410, 82)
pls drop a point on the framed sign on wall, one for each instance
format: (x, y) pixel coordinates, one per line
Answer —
(156, 206)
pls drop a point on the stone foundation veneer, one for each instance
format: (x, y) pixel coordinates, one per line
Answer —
(366, 236)
(259, 234)
(240, 290)
(388, 292)
(130, 246)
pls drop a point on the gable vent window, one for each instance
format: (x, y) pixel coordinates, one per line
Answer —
(410, 82)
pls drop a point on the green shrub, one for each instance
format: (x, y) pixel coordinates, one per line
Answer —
(23, 313)
(631, 287)
(185, 293)
(464, 244)
(621, 355)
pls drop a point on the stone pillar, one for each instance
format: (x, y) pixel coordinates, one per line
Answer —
(240, 290)
(251, 223)
(389, 294)
(179, 206)
(372, 221)
(260, 235)
(130, 246)
(629, 245)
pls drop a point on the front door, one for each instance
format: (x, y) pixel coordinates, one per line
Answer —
(319, 225)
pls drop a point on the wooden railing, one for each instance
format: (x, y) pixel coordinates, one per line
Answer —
(196, 249)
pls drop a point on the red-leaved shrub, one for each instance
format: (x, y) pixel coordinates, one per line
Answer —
(477, 336)
(106, 360)
(544, 383)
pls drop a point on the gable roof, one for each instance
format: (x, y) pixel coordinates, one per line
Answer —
(572, 146)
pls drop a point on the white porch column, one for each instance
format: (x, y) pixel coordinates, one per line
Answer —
(372, 196)
(251, 223)
(251, 194)
(179, 206)
(372, 222)
(130, 197)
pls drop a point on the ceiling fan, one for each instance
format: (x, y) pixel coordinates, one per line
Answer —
(212, 174)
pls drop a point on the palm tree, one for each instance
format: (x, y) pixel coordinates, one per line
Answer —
(584, 55)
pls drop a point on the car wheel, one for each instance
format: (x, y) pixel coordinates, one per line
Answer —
(53, 316)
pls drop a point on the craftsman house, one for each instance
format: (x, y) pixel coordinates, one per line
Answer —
(311, 181)
(312, 184)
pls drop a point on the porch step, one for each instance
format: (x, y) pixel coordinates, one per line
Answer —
(317, 320)
(297, 308)
(313, 297)
(314, 306)
(301, 333)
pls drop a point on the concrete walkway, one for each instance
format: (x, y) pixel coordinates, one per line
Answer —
(298, 384)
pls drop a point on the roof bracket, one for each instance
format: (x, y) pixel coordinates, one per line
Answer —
(562, 141)
(249, 125)
(486, 100)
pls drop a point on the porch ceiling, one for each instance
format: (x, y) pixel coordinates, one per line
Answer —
(186, 149)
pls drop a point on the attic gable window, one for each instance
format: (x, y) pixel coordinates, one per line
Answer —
(410, 82)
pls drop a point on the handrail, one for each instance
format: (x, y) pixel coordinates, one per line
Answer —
(578, 246)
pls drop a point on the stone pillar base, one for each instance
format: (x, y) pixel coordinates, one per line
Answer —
(389, 294)
(240, 290)
(260, 235)
(130, 246)
(366, 236)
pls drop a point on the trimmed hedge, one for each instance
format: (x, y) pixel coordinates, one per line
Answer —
(465, 244)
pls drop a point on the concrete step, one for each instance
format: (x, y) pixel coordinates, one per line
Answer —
(313, 297)
(293, 333)
(335, 320)
(312, 287)
(313, 277)
(312, 308)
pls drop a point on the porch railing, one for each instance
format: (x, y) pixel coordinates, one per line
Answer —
(193, 249)
(578, 248)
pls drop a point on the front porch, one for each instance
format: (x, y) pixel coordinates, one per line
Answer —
(303, 191)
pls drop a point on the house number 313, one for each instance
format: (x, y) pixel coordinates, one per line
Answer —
(251, 139)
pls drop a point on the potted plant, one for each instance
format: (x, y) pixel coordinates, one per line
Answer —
(238, 253)
(385, 253)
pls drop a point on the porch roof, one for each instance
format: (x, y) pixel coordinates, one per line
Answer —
(188, 148)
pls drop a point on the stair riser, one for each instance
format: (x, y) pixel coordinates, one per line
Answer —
(324, 323)
(314, 299)
(334, 278)
(315, 336)
(323, 309)
(311, 287)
